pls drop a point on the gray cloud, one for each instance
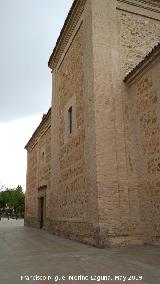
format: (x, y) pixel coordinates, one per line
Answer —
(28, 32)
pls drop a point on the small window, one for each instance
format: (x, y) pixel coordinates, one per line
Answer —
(70, 118)
(69, 115)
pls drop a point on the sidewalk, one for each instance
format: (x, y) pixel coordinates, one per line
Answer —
(27, 252)
(11, 223)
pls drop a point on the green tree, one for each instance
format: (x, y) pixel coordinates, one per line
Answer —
(18, 199)
(13, 200)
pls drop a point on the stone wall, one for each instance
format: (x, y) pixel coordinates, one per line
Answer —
(139, 34)
(123, 33)
(96, 190)
(144, 124)
(31, 195)
(70, 195)
(38, 170)
(72, 189)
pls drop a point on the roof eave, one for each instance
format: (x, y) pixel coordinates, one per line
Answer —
(76, 9)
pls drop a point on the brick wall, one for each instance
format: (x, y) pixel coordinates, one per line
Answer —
(139, 34)
(69, 215)
(123, 33)
(97, 190)
(72, 188)
(144, 123)
(38, 171)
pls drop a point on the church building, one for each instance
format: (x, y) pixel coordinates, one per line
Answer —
(93, 163)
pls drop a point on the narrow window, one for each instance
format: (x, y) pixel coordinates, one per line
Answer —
(70, 119)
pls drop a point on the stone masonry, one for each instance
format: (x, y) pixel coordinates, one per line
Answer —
(142, 122)
(38, 171)
(94, 159)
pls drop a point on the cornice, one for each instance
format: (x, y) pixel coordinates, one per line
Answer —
(150, 58)
(66, 32)
(152, 5)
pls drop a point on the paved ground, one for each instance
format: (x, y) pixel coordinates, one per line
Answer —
(30, 252)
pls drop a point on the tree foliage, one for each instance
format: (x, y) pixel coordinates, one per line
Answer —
(12, 200)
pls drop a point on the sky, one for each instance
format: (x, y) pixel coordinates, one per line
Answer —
(28, 33)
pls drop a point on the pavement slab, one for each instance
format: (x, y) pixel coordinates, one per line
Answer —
(29, 255)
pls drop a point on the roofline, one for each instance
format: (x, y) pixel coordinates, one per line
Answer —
(75, 10)
(150, 57)
(38, 127)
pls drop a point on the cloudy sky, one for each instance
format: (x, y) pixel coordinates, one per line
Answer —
(28, 33)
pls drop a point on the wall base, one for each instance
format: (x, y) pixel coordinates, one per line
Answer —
(88, 233)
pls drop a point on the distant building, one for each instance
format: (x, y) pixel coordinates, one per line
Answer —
(94, 161)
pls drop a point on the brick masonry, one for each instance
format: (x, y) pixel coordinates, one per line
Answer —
(143, 147)
(100, 182)
(38, 171)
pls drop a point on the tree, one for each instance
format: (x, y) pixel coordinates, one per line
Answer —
(13, 201)
(18, 199)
